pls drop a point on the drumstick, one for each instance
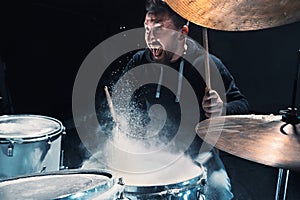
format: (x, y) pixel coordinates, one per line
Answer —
(206, 58)
(110, 104)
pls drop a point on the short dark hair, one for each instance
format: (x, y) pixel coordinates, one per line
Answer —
(159, 6)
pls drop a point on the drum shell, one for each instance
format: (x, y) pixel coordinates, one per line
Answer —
(174, 192)
(30, 157)
(192, 189)
(64, 184)
(29, 148)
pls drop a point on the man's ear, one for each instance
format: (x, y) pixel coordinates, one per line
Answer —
(185, 30)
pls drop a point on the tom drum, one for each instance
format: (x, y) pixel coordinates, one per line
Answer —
(64, 184)
(29, 144)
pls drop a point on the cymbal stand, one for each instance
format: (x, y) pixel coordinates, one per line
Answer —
(289, 116)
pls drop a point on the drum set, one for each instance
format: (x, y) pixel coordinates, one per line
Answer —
(31, 157)
(31, 167)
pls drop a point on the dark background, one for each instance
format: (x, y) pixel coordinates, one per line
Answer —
(44, 42)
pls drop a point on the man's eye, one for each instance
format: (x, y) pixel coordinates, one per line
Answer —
(157, 30)
(147, 29)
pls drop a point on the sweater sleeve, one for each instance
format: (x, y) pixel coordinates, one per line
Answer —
(236, 102)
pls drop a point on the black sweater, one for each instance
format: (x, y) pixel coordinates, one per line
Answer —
(151, 79)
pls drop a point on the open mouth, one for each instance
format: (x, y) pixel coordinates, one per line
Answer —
(157, 52)
(156, 49)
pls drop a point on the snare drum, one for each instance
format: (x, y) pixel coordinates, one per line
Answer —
(64, 184)
(180, 181)
(29, 144)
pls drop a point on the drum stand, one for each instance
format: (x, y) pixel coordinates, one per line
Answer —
(289, 116)
(282, 182)
(283, 174)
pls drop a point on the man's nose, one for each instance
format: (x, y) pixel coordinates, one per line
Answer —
(151, 35)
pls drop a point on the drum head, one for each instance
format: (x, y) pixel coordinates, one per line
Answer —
(17, 127)
(57, 185)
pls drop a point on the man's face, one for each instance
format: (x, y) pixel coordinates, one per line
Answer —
(162, 37)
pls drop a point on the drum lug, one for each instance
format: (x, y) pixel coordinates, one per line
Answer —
(122, 197)
(43, 170)
(49, 141)
(203, 182)
(62, 157)
(10, 149)
(121, 182)
(63, 130)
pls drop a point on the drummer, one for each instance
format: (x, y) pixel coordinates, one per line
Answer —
(160, 17)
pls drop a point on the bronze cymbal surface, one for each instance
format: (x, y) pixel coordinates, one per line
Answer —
(238, 15)
(257, 138)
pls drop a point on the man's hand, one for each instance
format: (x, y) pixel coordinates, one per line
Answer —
(212, 103)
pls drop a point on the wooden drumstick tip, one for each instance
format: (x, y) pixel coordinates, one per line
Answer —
(110, 104)
(105, 89)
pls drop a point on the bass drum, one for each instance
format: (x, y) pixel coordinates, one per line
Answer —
(64, 184)
(29, 144)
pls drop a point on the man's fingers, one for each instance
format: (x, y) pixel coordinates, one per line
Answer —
(210, 114)
(210, 102)
(215, 108)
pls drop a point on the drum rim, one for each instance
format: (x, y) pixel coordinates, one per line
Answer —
(109, 184)
(51, 136)
(161, 188)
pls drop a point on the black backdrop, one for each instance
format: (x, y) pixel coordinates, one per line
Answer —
(44, 42)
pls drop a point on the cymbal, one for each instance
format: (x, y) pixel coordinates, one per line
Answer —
(238, 15)
(257, 138)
